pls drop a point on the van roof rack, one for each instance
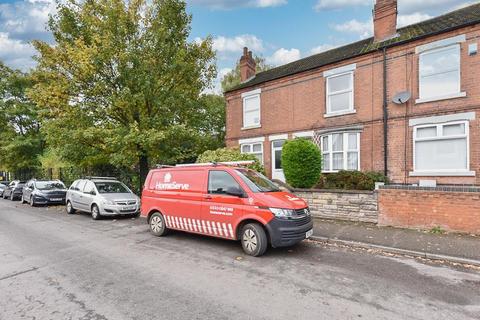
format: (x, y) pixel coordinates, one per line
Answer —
(100, 178)
(160, 166)
(214, 164)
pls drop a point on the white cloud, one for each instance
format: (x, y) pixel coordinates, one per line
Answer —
(408, 19)
(405, 7)
(16, 53)
(340, 4)
(231, 4)
(284, 56)
(236, 44)
(322, 48)
(26, 19)
(364, 29)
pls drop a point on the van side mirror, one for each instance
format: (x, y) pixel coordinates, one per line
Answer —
(236, 192)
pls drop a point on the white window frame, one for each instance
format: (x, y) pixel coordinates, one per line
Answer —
(435, 49)
(345, 150)
(337, 72)
(255, 94)
(251, 144)
(439, 136)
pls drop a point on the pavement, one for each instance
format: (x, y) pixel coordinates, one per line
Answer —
(59, 266)
(462, 248)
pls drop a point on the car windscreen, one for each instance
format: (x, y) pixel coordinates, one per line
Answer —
(111, 187)
(257, 182)
(49, 185)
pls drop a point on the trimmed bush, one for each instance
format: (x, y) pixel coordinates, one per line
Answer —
(351, 180)
(230, 154)
(301, 163)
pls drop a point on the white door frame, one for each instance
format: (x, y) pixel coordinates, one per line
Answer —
(276, 173)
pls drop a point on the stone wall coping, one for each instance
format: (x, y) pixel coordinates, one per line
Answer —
(334, 191)
(451, 188)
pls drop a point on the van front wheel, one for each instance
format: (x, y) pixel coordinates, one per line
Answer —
(157, 225)
(254, 239)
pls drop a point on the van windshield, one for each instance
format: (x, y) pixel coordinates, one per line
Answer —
(257, 182)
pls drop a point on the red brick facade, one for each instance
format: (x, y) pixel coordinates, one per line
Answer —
(429, 209)
(298, 103)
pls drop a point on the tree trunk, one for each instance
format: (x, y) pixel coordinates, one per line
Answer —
(143, 166)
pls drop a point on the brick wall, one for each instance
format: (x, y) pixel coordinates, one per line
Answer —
(342, 205)
(453, 209)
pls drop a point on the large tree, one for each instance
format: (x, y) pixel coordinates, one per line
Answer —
(232, 78)
(21, 141)
(122, 83)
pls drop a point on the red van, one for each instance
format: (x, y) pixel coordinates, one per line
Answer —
(224, 200)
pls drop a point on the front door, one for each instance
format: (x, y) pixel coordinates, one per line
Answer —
(277, 171)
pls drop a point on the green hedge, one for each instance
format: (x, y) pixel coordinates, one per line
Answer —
(230, 154)
(301, 163)
(351, 180)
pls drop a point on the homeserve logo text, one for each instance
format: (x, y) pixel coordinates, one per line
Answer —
(169, 185)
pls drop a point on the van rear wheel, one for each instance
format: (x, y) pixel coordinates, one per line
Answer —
(157, 225)
(254, 239)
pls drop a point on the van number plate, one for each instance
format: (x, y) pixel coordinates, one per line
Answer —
(309, 234)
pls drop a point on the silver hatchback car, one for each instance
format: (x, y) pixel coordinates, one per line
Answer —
(101, 196)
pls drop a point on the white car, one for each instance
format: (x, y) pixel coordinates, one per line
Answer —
(101, 196)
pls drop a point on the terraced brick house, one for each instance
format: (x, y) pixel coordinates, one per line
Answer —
(342, 99)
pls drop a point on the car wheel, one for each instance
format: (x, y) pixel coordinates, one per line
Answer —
(32, 201)
(95, 212)
(69, 208)
(157, 225)
(254, 239)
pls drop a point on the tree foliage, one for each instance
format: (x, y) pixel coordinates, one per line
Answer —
(21, 141)
(230, 154)
(301, 163)
(232, 79)
(122, 84)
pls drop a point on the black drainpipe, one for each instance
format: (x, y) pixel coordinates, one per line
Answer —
(385, 114)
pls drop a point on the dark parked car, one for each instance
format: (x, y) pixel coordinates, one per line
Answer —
(3, 185)
(44, 192)
(13, 190)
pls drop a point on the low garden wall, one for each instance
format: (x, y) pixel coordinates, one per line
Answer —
(450, 208)
(341, 204)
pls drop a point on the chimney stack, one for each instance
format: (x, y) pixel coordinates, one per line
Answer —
(385, 20)
(247, 65)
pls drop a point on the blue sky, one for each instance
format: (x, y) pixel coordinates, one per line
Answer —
(280, 30)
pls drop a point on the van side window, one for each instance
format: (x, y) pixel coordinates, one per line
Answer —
(221, 181)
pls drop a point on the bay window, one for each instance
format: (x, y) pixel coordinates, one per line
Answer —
(340, 151)
(253, 148)
(441, 148)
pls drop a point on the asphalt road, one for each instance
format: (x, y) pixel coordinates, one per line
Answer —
(55, 266)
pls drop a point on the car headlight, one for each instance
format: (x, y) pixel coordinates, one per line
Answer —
(282, 213)
(108, 202)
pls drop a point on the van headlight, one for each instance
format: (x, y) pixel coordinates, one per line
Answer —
(282, 213)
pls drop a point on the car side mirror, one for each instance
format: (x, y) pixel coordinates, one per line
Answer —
(236, 192)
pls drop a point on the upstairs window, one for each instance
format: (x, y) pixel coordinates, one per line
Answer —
(251, 109)
(439, 72)
(340, 151)
(340, 93)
